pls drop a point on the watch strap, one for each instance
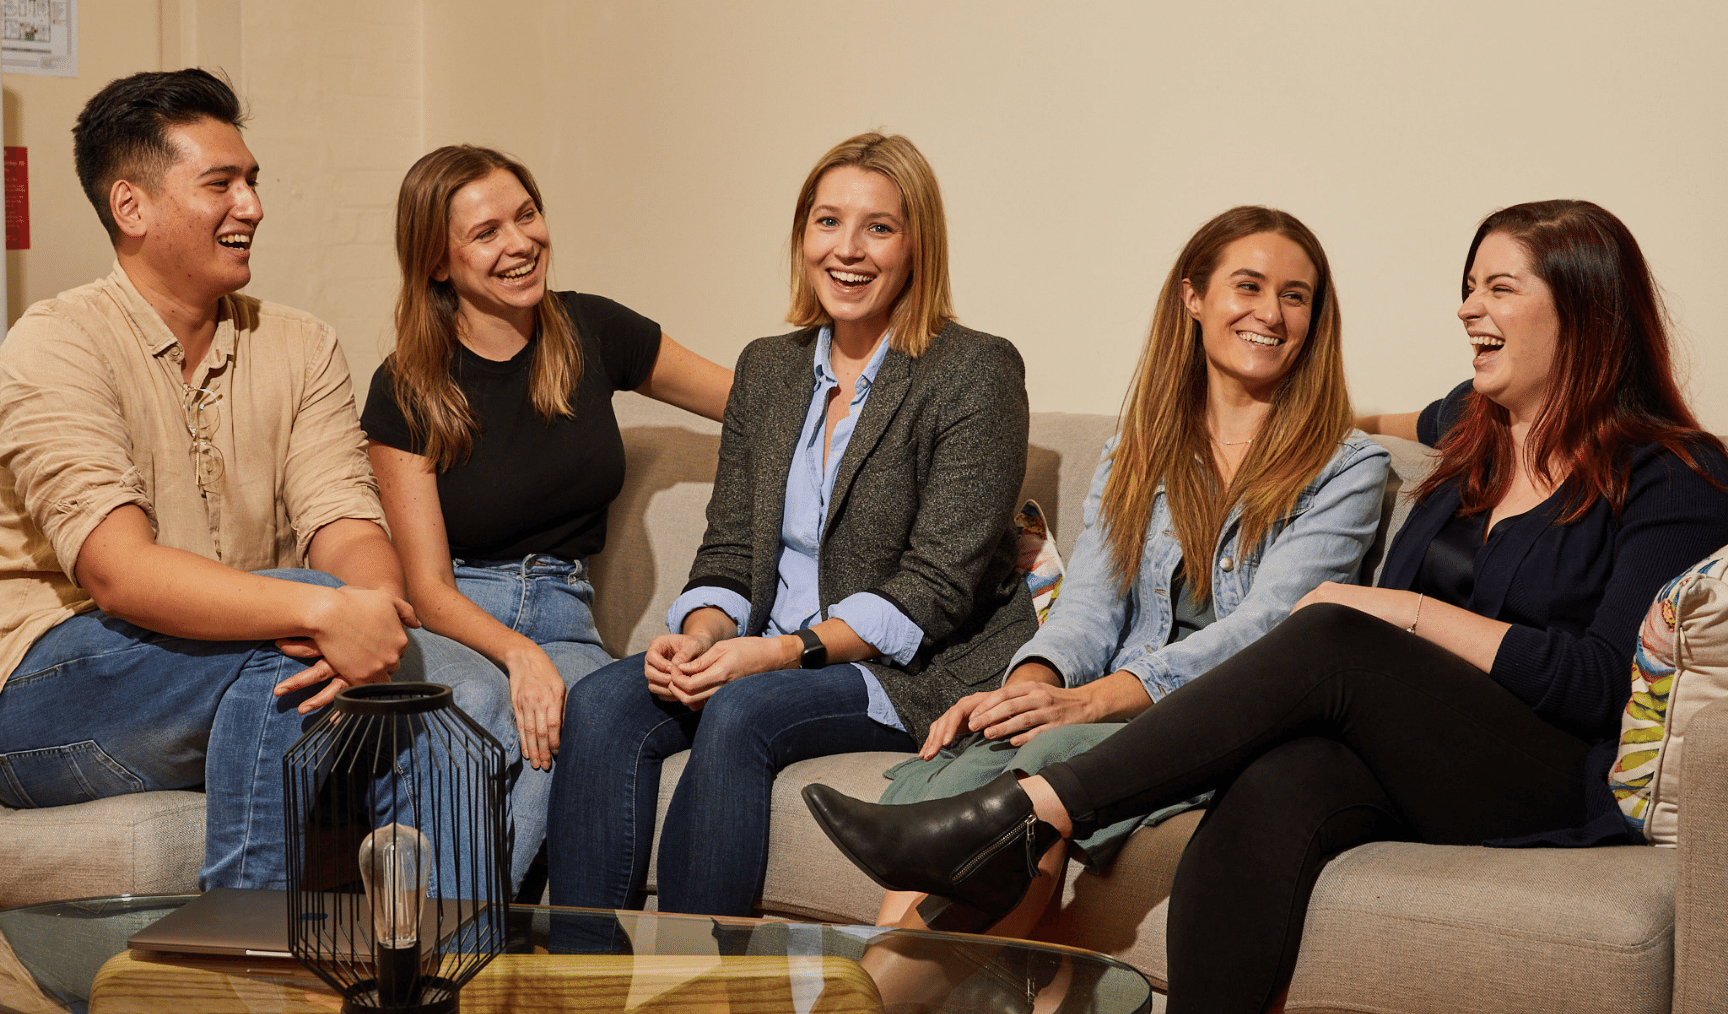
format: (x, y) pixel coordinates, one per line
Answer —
(815, 653)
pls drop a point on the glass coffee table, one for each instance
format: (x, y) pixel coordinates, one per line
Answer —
(71, 958)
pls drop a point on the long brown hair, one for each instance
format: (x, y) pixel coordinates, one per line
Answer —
(925, 305)
(1163, 436)
(427, 310)
(1612, 387)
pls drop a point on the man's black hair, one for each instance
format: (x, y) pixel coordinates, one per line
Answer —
(122, 133)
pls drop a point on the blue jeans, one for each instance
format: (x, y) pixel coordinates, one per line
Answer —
(99, 707)
(550, 602)
(714, 846)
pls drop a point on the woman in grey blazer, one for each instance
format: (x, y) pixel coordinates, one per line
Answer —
(857, 577)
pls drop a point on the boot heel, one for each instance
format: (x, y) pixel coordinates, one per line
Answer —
(945, 915)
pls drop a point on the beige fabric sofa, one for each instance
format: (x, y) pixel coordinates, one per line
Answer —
(1392, 927)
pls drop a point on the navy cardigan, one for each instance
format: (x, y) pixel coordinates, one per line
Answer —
(1575, 594)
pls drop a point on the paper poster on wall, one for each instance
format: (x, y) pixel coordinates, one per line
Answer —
(39, 37)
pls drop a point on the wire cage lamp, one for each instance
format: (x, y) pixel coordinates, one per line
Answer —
(394, 803)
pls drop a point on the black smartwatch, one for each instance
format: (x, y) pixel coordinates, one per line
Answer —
(815, 653)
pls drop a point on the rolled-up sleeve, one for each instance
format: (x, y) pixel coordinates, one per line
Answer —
(63, 435)
(880, 625)
(704, 597)
(326, 475)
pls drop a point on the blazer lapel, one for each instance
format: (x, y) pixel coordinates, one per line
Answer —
(889, 389)
(782, 420)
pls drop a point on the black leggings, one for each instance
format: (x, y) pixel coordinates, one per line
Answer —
(1334, 729)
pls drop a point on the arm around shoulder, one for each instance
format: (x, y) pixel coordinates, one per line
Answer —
(691, 382)
(1392, 424)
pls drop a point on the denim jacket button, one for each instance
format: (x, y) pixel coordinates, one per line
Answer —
(1227, 564)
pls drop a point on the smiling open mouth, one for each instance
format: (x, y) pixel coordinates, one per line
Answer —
(521, 272)
(850, 277)
(1260, 339)
(236, 241)
(1486, 342)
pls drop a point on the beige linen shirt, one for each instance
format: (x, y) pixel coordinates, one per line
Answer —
(92, 417)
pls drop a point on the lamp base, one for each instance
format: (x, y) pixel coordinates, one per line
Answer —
(437, 996)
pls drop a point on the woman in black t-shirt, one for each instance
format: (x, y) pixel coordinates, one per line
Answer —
(492, 434)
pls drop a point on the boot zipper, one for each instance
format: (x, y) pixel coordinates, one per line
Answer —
(984, 854)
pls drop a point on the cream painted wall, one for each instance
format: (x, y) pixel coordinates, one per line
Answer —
(1078, 145)
(67, 244)
(335, 123)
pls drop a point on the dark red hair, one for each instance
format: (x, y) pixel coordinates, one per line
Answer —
(1612, 386)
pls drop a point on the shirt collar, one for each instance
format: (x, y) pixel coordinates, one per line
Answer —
(152, 331)
(824, 364)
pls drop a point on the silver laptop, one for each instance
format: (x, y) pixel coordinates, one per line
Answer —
(246, 923)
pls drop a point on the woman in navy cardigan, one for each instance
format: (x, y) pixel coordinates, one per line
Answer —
(1473, 697)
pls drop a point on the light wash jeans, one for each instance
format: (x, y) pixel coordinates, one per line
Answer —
(99, 707)
(550, 602)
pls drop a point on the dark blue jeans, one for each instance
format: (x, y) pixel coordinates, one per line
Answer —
(99, 707)
(714, 847)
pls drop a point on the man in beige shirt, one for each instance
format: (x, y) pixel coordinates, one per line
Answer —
(184, 488)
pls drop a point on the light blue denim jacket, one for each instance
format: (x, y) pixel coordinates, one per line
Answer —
(1093, 631)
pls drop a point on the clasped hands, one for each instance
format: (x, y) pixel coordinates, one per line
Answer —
(689, 668)
(357, 637)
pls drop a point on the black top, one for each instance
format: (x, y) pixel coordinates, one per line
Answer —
(1576, 593)
(533, 487)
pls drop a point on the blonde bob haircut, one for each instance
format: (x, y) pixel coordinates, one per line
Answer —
(926, 305)
(428, 317)
(1163, 435)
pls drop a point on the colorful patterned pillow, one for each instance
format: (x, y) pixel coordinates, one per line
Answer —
(1039, 559)
(1679, 666)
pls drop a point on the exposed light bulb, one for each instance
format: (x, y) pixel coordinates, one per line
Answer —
(394, 863)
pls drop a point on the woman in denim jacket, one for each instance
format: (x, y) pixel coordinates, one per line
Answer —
(1242, 372)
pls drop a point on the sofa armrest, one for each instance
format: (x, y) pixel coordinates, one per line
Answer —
(1701, 879)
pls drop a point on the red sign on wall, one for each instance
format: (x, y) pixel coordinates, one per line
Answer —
(17, 198)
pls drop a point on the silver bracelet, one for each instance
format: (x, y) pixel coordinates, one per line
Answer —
(1411, 629)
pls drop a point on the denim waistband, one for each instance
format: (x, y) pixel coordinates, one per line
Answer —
(533, 565)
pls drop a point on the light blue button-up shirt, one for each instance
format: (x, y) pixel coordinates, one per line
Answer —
(809, 488)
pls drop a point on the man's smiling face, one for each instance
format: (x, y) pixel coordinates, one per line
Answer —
(200, 220)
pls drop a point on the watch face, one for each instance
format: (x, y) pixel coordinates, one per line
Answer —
(815, 654)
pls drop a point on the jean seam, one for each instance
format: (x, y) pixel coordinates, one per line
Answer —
(251, 807)
(630, 817)
(114, 767)
(17, 788)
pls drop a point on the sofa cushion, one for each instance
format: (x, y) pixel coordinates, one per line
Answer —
(143, 843)
(1679, 667)
(1401, 927)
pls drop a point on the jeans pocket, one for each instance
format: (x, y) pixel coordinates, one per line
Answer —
(61, 775)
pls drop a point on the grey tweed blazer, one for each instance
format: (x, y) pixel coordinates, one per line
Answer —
(920, 511)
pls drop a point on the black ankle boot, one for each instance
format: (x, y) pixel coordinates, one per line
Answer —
(980, 848)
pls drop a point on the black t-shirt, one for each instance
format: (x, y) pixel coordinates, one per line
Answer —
(533, 487)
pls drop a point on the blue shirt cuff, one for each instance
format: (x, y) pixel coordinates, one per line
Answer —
(880, 625)
(724, 599)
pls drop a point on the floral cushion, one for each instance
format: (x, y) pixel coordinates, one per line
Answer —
(1679, 666)
(1039, 560)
